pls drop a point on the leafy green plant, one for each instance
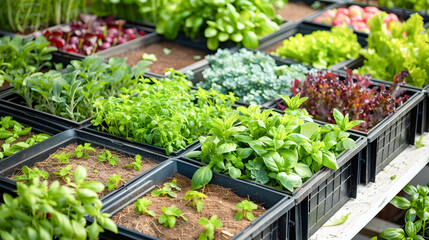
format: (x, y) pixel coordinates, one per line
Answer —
(72, 95)
(137, 164)
(419, 143)
(44, 212)
(416, 217)
(114, 182)
(28, 174)
(241, 22)
(210, 226)
(254, 77)
(417, 5)
(321, 49)
(26, 55)
(167, 113)
(65, 173)
(167, 189)
(142, 207)
(280, 151)
(407, 46)
(63, 157)
(196, 199)
(107, 156)
(245, 209)
(83, 150)
(170, 215)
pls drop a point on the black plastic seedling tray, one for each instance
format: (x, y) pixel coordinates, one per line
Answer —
(273, 224)
(402, 15)
(389, 137)
(303, 28)
(43, 150)
(325, 193)
(422, 116)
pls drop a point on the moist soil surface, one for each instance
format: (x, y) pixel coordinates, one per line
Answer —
(104, 170)
(179, 57)
(220, 201)
(295, 10)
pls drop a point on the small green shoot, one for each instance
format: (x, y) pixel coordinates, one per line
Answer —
(393, 177)
(28, 174)
(245, 208)
(63, 157)
(142, 207)
(197, 57)
(65, 172)
(114, 181)
(149, 56)
(137, 164)
(419, 143)
(95, 171)
(83, 151)
(210, 226)
(338, 221)
(108, 156)
(195, 199)
(169, 218)
(167, 190)
(166, 51)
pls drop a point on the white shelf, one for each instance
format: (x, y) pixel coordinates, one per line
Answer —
(373, 197)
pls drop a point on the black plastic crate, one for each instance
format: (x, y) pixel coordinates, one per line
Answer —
(402, 15)
(389, 137)
(422, 115)
(273, 224)
(319, 198)
(303, 28)
(43, 150)
(159, 150)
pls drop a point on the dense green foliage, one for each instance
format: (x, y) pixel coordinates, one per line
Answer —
(321, 49)
(417, 5)
(254, 77)
(280, 151)
(405, 47)
(165, 113)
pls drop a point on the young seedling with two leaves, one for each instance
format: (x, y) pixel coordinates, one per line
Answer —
(65, 173)
(196, 199)
(167, 190)
(142, 205)
(170, 215)
(137, 164)
(210, 226)
(108, 156)
(281, 151)
(83, 150)
(62, 157)
(114, 182)
(245, 209)
(28, 174)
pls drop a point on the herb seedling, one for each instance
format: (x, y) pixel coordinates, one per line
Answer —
(65, 172)
(142, 207)
(166, 51)
(210, 226)
(196, 57)
(137, 164)
(63, 157)
(245, 208)
(114, 182)
(149, 56)
(169, 218)
(28, 174)
(167, 190)
(83, 151)
(419, 143)
(195, 199)
(108, 156)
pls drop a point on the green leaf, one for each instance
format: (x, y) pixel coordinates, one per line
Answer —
(329, 160)
(400, 202)
(238, 216)
(410, 229)
(303, 170)
(227, 147)
(80, 174)
(338, 116)
(393, 234)
(234, 172)
(270, 163)
(193, 154)
(309, 128)
(339, 221)
(410, 216)
(289, 181)
(250, 40)
(201, 177)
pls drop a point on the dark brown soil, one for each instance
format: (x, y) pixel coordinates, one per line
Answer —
(220, 201)
(179, 57)
(20, 139)
(295, 10)
(105, 169)
(274, 47)
(5, 85)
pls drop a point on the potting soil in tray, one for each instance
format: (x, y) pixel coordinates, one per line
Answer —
(97, 170)
(220, 201)
(295, 11)
(179, 57)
